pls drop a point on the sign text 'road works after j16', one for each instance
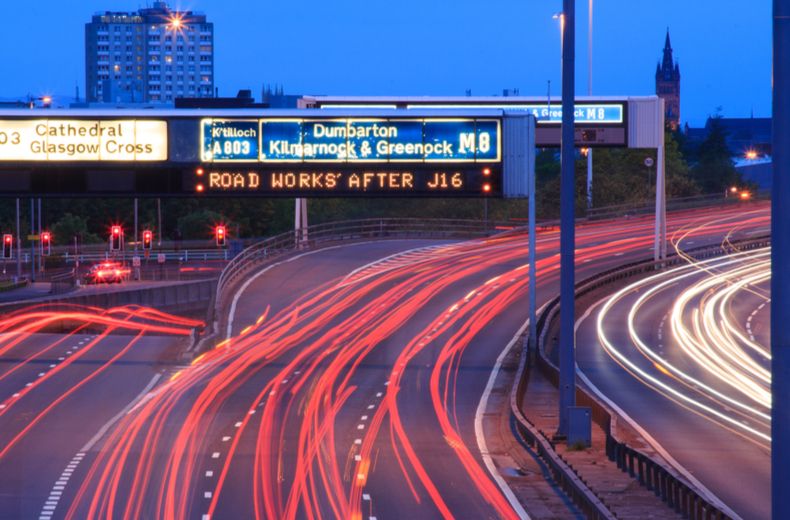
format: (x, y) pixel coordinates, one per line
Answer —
(351, 156)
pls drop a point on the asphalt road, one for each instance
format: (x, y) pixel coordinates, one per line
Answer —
(342, 392)
(670, 370)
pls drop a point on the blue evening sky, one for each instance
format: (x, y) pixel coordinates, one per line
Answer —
(430, 47)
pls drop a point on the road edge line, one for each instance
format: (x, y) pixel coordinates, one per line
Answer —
(709, 495)
(481, 442)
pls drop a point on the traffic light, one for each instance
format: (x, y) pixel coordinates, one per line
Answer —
(8, 246)
(148, 239)
(46, 243)
(220, 236)
(116, 238)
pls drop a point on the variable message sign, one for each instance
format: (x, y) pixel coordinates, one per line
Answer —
(253, 153)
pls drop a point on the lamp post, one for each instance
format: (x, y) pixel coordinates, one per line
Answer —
(780, 256)
(589, 93)
(567, 220)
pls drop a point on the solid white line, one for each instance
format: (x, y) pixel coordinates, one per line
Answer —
(703, 490)
(248, 282)
(481, 441)
(117, 417)
(60, 484)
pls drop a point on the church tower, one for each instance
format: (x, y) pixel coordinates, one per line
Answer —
(668, 86)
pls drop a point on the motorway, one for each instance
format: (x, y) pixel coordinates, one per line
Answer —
(57, 390)
(348, 387)
(684, 354)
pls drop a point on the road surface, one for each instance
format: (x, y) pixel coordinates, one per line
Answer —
(348, 386)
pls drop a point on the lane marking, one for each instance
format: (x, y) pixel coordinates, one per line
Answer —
(481, 408)
(57, 490)
(251, 279)
(707, 494)
(89, 445)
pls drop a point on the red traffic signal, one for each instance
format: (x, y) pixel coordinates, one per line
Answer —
(8, 246)
(148, 239)
(219, 234)
(46, 243)
(116, 238)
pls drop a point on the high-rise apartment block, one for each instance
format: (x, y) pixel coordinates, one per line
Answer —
(153, 55)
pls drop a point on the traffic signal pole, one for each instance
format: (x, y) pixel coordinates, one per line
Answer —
(567, 220)
(32, 242)
(18, 244)
(780, 257)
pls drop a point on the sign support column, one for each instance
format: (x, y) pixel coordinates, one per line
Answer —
(567, 221)
(660, 241)
(780, 257)
(533, 270)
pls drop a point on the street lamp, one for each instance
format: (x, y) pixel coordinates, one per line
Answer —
(589, 93)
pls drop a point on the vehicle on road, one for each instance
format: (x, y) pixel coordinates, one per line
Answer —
(106, 272)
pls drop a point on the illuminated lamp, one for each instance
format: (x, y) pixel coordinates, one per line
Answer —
(219, 233)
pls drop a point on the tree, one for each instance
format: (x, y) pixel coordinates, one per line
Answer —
(715, 171)
(199, 225)
(70, 226)
(678, 175)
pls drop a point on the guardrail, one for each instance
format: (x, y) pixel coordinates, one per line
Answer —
(679, 203)
(321, 235)
(563, 473)
(664, 482)
(182, 255)
(62, 283)
(351, 230)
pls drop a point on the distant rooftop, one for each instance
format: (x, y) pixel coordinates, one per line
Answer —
(146, 15)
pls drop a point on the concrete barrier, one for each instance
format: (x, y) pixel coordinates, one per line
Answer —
(184, 298)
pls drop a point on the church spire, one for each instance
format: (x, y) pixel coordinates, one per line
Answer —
(667, 64)
(668, 84)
